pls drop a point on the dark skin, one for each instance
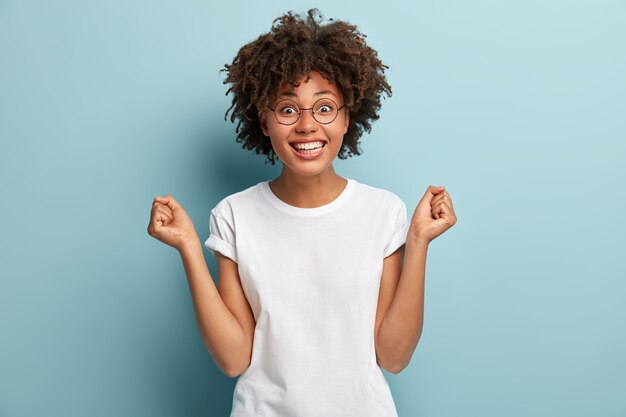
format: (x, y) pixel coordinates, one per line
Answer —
(307, 182)
(295, 47)
(312, 183)
(335, 56)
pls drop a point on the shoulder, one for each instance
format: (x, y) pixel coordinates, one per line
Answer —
(378, 196)
(245, 198)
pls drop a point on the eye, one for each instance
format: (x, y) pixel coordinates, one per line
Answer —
(325, 107)
(288, 110)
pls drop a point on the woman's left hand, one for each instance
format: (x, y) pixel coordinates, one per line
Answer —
(433, 215)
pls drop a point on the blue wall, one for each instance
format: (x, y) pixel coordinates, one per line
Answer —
(518, 108)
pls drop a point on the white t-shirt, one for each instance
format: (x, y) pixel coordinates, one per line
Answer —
(312, 277)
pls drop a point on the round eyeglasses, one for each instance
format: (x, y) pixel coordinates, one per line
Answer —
(288, 112)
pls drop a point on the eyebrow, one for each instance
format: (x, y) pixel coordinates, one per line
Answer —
(319, 93)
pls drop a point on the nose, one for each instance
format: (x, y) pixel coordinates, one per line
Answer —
(306, 122)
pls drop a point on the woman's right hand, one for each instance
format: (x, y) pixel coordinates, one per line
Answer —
(170, 223)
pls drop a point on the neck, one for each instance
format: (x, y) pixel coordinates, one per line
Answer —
(308, 191)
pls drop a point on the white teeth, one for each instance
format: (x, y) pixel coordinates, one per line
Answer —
(309, 145)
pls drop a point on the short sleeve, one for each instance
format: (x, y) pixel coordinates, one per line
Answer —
(221, 237)
(398, 228)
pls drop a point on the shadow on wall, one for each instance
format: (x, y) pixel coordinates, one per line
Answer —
(224, 167)
(233, 168)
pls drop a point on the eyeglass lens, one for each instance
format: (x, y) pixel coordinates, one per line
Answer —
(288, 112)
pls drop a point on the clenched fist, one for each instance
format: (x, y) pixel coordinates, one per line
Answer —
(170, 223)
(433, 215)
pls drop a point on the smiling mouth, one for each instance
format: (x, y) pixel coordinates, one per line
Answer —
(308, 148)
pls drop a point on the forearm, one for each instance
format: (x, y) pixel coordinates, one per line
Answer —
(401, 327)
(221, 332)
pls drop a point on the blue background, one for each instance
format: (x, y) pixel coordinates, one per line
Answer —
(517, 107)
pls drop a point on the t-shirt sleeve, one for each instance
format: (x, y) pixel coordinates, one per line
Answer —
(222, 236)
(399, 227)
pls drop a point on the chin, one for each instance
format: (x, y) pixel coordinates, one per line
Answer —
(312, 169)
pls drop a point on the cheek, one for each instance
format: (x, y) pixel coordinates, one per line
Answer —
(277, 135)
(340, 131)
(277, 131)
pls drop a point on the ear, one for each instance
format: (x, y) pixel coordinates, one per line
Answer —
(263, 123)
(347, 121)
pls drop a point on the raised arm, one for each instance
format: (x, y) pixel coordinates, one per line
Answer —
(224, 317)
(400, 314)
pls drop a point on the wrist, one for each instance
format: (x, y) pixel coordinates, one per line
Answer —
(414, 238)
(191, 243)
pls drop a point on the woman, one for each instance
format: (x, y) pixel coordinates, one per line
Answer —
(321, 277)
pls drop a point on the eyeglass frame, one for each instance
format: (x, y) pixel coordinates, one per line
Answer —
(300, 112)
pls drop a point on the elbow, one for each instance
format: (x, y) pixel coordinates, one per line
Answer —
(398, 369)
(391, 363)
(231, 374)
(398, 362)
(395, 369)
(232, 365)
(392, 367)
(230, 370)
(234, 372)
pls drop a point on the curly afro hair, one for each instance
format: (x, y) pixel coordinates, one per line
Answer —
(292, 49)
